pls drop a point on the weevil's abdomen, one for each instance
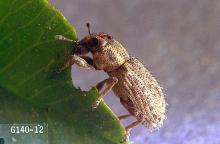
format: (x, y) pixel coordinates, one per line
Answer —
(137, 86)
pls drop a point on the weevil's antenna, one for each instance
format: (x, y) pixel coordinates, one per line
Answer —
(88, 26)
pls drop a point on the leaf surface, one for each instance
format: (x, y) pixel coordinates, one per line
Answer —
(31, 91)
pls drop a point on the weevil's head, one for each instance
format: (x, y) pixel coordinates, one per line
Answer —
(108, 53)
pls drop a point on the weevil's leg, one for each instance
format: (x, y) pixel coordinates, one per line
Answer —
(74, 59)
(124, 116)
(84, 62)
(128, 104)
(62, 38)
(100, 85)
(89, 60)
(110, 82)
(130, 126)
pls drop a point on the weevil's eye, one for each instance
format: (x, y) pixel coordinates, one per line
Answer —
(109, 37)
(92, 42)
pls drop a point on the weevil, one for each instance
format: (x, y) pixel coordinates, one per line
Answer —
(130, 80)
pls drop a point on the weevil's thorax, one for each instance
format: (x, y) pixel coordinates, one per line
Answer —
(108, 53)
(111, 56)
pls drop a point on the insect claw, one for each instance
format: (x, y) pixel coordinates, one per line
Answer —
(125, 139)
(61, 68)
(96, 103)
(58, 70)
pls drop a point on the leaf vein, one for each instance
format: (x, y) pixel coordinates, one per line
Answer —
(48, 87)
(26, 49)
(21, 53)
(35, 73)
(24, 26)
(10, 13)
(61, 100)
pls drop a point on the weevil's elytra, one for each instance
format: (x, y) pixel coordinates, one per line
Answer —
(131, 82)
(140, 93)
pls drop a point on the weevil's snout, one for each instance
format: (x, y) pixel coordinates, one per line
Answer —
(80, 48)
(91, 43)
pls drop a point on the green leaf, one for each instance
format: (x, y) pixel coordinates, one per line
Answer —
(30, 89)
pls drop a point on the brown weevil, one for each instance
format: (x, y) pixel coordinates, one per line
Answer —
(131, 82)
